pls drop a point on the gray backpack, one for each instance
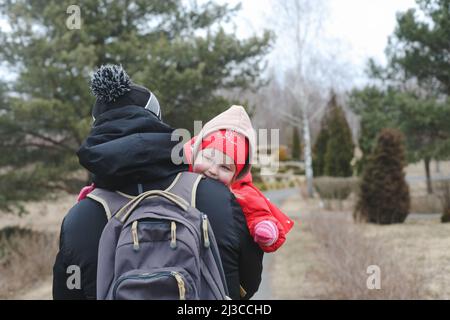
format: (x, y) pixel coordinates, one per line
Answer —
(157, 245)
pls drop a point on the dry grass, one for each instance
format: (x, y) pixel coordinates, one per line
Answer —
(28, 246)
(428, 203)
(346, 253)
(26, 258)
(326, 256)
(420, 244)
(420, 203)
(45, 216)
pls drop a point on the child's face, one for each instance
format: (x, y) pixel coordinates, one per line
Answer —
(216, 165)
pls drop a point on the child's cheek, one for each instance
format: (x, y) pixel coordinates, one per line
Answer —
(200, 167)
(225, 180)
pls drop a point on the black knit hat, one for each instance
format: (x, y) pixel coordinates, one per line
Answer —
(113, 89)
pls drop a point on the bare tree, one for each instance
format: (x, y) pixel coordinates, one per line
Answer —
(301, 21)
(315, 65)
(306, 66)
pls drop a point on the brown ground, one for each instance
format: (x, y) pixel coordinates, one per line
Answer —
(298, 270)
(43, 215)
(417, 248)
(46, 217)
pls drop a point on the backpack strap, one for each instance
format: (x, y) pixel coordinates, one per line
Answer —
(185, 185)
(111, 201)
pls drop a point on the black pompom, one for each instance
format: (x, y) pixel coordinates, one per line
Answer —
(109, 83)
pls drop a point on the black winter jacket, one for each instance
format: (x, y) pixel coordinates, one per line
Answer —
(129, 150)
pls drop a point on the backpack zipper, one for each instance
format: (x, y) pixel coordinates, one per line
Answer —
(205, 231)
(173, 235)
(134, 233)
(147, 275)
(181, 287)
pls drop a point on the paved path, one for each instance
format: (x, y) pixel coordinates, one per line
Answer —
(423, 216)
(436, 177)
(264, 292)
(278, 196)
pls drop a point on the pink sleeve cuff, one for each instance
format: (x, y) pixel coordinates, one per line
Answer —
(266, 233)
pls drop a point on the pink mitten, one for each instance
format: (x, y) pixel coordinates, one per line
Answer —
(85, 191)
(266, 233)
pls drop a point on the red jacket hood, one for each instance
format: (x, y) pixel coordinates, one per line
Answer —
(245, 179)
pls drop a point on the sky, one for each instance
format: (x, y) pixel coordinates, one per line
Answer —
(360, 28)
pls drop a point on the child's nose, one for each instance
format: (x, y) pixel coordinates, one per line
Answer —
(213, 170)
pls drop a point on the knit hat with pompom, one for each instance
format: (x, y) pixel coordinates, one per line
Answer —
(113, 88)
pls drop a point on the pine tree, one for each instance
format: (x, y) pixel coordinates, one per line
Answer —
(384, 194)
(423, 121)
(339, 147)
(419, 47)
(319, 151)
(416, 81)
(179, 52)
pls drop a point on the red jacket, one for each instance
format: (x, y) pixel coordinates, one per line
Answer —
(257, 207)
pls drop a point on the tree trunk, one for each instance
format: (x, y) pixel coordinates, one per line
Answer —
(428, 174)
(308, 155)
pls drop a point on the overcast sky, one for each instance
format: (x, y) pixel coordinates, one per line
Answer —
(360, 27)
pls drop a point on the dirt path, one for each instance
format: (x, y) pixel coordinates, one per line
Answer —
(40, 291)
(278, 197)
(295, 267)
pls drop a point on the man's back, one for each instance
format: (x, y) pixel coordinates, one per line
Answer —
(130, 149)
(83, 225)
